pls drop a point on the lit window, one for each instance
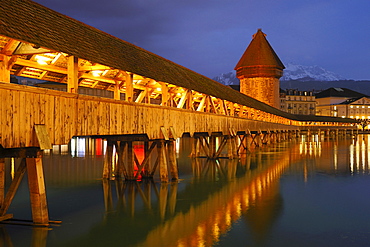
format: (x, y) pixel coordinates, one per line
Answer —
(351, 106)
(363, 106)
(351, 116)
(357, 106)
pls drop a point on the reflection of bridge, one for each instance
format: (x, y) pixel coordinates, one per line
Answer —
(166, 219)
(150, 96)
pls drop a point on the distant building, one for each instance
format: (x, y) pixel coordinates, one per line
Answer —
(297, 102)
(343, 102)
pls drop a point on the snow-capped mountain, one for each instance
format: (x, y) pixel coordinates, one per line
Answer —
(308, 73)
(292, 72)
(227, 78)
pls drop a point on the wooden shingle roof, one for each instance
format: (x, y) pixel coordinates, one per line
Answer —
(259, 53)
(27, 21)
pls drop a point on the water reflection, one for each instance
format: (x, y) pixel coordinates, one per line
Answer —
(200, 210)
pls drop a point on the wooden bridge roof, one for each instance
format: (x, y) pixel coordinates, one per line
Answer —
(27, 21)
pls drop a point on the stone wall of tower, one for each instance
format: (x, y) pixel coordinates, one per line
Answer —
(264, 89)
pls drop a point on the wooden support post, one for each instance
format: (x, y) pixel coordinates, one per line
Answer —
(148, 173)
(277, 136)
(162, 160)
(117, 92)
(195, 147)
(120, 168)
(260, 138)
(129, 96)
(235, 147)
(248, 140)
(202, 103)
(148, 166)
(4, 68)
(212, 146)
(36, 185)
(213, 106)
(72, 75)
(130, 161)
(164, 89)
(242, 144)
(189, 101)
(2, 181)
(273, 137)
(208, 103)
(232, 109)
(230, 152)
(141, 96)
(172, 161)
(183, 99)
(107, 168)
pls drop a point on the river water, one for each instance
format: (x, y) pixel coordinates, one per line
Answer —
(312, 191)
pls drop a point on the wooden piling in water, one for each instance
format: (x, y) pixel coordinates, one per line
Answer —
(107, 167)
(36, 184)
(162, 160)
(172, 162)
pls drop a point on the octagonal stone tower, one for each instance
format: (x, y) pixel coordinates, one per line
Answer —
(259, 70)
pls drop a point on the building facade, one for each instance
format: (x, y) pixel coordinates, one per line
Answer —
(343, 102)
(298, 102)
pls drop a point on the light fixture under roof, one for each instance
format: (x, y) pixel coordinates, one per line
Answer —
(26, 48)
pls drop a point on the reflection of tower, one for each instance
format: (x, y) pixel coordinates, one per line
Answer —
(259, 70)
(264, 211)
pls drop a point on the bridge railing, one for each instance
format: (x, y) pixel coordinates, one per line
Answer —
(72, 74)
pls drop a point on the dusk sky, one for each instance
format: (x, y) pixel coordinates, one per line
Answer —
(209, 36)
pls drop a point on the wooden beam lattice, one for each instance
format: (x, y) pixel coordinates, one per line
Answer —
(125, 163)
(31, 162)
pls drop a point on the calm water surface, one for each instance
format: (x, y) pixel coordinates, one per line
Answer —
(309, 192)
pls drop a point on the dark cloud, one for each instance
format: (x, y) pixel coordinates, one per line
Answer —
(209, 36)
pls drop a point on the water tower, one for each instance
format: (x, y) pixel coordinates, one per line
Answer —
(259, 70)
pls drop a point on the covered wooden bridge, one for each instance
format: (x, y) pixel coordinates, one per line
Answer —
(150, 95)
(146, 96)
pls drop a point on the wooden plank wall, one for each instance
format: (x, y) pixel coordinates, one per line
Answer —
(66, 115)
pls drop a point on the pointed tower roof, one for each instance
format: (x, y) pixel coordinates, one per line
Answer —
(259, 54)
